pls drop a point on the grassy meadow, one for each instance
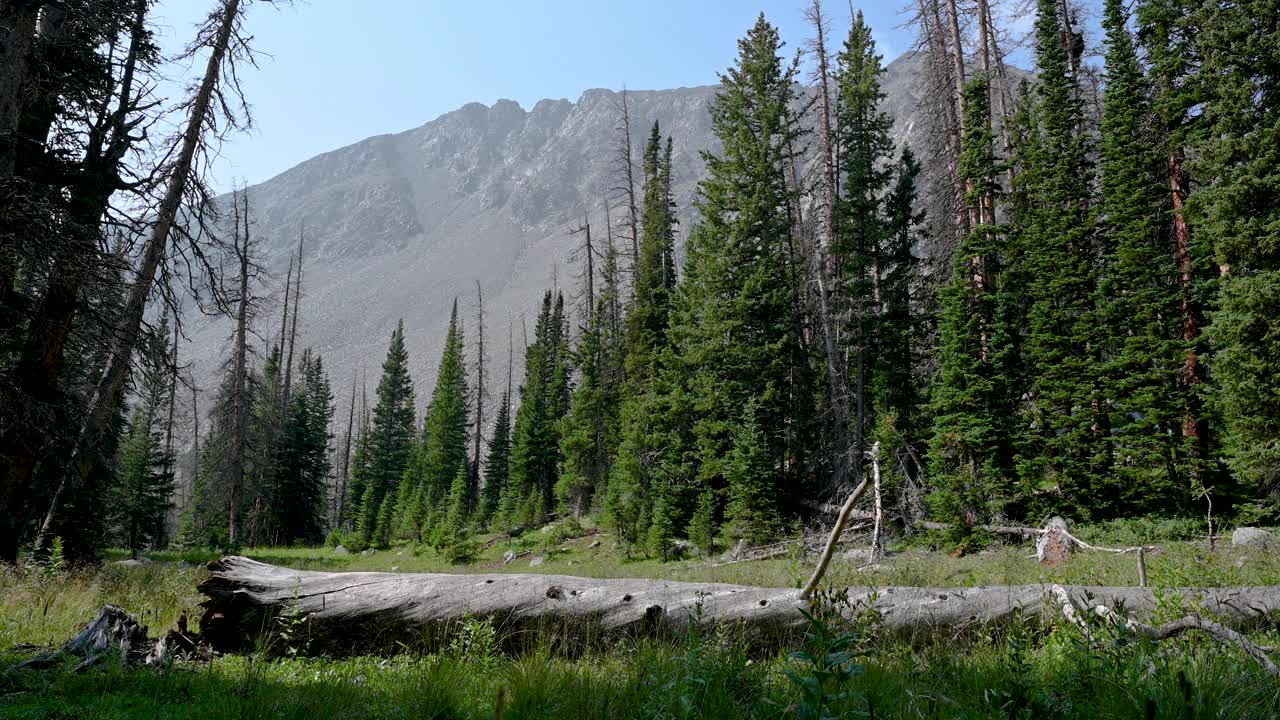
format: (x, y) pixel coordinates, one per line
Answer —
(1031, 670)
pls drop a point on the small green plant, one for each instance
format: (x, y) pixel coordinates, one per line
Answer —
(293, 628)
(828, 658)
(475, 642)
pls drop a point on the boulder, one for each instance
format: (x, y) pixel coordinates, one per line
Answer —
(340, 550)
(537, 560)
(1255, 538)
(132, 562)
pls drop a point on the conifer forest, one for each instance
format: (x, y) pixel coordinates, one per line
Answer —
(980, 418)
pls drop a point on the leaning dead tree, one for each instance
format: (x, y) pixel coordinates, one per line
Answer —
(358, 610)
(209, 106)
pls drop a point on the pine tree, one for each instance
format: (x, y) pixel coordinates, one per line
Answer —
(390, 434)
(752, 513)
(865, 150)
(443, 442)
(143, 487)
(589, 433)
(1069, 449)
(735, 325)
(971, 451)
(1138, 293)
(1239, 212)
(645, 342)
(497, 461)
(302, 467)
(535, 449)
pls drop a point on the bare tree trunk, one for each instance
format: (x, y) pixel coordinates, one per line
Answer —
(284, 316)
(239, 399)
(627, 168)
(293, 332)
(17, 44)
(1192, 373)
(474, 491)
(877, 533)
(824, 265)
(195, 441)
(344, 474)
(349, 611)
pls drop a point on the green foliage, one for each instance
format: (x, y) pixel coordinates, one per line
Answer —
(735, 325)
(971, 452)
(441, 451)
(535, 450)
(390, 438)
(144, 481)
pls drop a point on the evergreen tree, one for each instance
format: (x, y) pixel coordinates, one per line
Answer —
(535, 449)
(1239, 212)
(1068, 450)
(390, 436)
(443, 443)
(865, 150)
(589, 433)
(646, 341)
(752, 513)
(302, 467)
(143, 487)
(497, 461)
(1138, 294)
(971, 453)
(735, 326)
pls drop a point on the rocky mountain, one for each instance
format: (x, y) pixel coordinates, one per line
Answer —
(398, 226)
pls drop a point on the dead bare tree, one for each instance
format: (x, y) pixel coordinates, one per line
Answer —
(209, 107)
(477, 439)
(823, 264)
(625, 176)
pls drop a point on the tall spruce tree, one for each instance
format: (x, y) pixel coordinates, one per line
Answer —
(1138, 294)
(1068, 451)
(735, 325)
(390, 437)
(644, 345)
(442, 445)
(497, 461)
(535, 449)
(971, 451)
(301, 469)
(589, 433)
(1239, 212)
(864, 147)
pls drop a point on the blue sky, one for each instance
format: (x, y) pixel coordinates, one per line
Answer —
(337, 71)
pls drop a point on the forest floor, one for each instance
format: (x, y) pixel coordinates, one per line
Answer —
(1032, 670)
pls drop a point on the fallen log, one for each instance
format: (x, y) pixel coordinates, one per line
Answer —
(350, 611)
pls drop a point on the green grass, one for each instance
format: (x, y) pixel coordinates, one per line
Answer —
(1026, 672)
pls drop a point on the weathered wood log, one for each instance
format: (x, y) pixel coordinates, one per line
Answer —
(116, 632)
(359, 610)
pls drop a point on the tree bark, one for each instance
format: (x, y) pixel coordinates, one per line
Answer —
(351, 611)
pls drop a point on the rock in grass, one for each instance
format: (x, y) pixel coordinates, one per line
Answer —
(132, 562)
(340, 550)
(1255, 538)
(537, 560)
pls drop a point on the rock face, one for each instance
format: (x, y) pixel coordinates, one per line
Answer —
(397, 226)
(1255, 538)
